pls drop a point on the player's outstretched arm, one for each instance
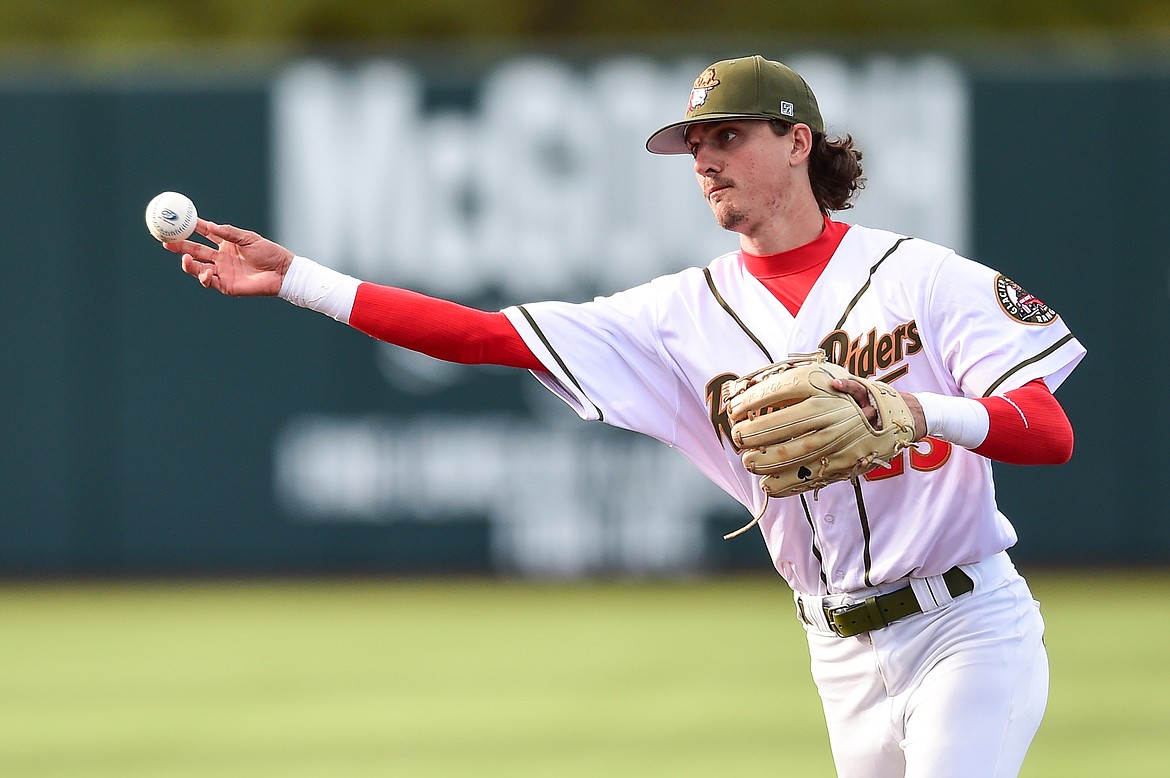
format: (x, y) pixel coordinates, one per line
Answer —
(241, 264)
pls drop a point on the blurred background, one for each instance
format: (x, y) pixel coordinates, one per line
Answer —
(156, 436)
(492, 153)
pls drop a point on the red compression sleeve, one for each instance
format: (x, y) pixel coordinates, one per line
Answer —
(1028, 427)
(439, 328)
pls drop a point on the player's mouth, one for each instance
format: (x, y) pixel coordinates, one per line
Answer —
(715, 189)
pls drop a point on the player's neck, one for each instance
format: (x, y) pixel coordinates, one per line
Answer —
(784, 232)
(816, 253)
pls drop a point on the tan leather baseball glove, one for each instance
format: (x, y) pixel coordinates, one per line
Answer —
(799, 433)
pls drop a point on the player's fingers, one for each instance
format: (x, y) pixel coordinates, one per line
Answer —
(194, 267)
(196, 250)
(852, 388)
(860, 395)
(227, 232)
(177, 246)
(208, 277)
(202, 226)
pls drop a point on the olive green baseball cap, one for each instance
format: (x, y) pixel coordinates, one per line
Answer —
(742, 88)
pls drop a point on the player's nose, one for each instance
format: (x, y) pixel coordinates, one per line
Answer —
(707, 161)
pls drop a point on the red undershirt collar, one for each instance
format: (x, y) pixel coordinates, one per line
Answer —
(802, 258)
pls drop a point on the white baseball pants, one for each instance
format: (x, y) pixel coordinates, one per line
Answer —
(955, 692)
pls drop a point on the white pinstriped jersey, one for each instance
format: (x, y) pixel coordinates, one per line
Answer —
(652, 359)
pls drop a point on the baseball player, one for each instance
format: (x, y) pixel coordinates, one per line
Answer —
(926, 643)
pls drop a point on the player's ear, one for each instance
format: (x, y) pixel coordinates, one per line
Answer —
(802, 142)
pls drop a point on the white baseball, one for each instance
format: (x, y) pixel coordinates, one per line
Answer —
(171, 216)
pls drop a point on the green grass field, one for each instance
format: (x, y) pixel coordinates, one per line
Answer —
(477, 678)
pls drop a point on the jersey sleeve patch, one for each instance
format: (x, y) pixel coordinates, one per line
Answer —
(1020, 305)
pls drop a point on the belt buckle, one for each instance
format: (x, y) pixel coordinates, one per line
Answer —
(832, 613)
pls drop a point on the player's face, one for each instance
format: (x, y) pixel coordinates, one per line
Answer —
(743, 169)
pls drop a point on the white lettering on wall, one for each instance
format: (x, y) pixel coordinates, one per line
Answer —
(561, 499)
(544, 187)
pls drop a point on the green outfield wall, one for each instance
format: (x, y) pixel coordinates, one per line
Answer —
(151, 427)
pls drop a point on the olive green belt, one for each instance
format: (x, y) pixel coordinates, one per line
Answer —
(883, 609)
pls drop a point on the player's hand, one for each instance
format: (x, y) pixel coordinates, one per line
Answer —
(858, 392)
(242, 263)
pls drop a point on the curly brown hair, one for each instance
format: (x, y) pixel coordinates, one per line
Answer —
(834, 169)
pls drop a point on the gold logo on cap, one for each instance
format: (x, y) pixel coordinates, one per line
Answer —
(703, 85)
